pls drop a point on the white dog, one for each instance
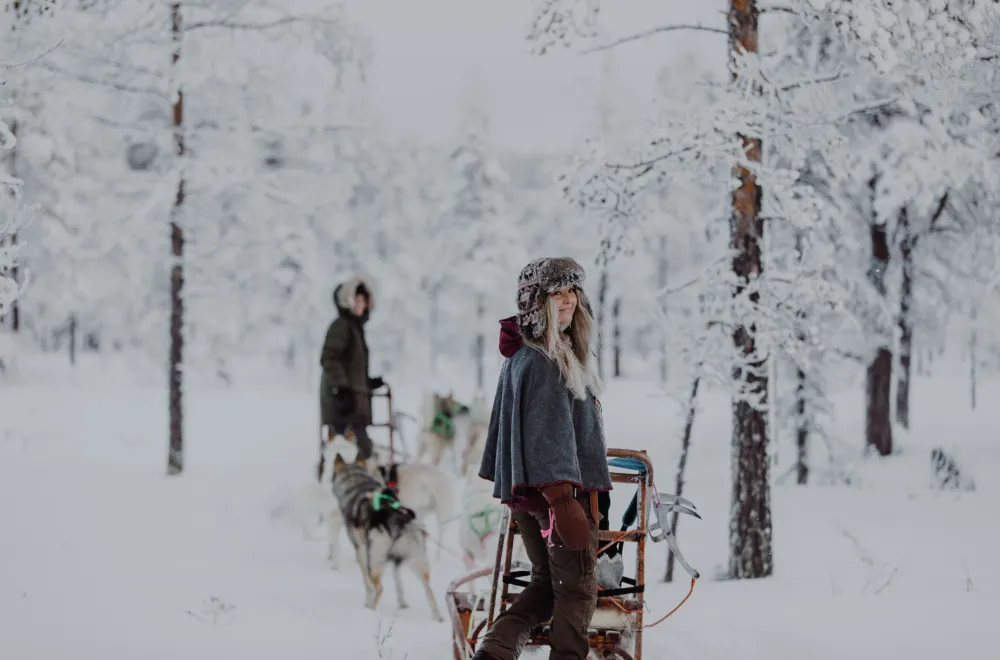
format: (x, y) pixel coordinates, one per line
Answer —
(425, 489)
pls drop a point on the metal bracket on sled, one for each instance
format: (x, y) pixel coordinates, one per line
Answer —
(660, 508)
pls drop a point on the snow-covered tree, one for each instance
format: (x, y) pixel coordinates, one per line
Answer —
(12, 218)
(483, 241)
(765, 127)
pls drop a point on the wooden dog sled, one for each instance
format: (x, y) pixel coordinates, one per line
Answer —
(617, 626)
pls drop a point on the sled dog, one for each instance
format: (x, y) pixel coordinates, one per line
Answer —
(381, 531)
(450, 424)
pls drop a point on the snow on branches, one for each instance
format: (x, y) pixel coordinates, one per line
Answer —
(562, 23)
(817, 97)
(885, 30)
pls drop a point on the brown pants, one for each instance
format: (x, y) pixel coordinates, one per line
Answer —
(563, 586)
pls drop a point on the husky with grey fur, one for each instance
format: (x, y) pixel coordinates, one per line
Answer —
(424, 489)
(379, 536)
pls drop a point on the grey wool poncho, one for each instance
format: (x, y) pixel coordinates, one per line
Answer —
(540, 434)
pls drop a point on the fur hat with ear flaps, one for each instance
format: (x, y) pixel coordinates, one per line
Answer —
(537, 280)
(343, 295)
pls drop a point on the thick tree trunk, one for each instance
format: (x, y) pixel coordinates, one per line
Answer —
(175, 459)
(801, 392)
(15, 309)
(801, 430)
(878, 427)
(681, 465)
(750, 514)
(905, 321)
(616, 351)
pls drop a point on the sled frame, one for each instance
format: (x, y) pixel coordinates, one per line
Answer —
(462, 608)
(390, 423)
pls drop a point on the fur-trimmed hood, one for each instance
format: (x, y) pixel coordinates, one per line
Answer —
(343, 295)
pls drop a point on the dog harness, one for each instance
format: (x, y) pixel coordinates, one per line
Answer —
(443, 425)
(387, 498)
(488, 518)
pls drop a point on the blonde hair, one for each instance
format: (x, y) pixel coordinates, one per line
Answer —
(570, 350)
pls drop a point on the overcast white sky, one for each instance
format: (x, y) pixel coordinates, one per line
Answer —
(429, 55)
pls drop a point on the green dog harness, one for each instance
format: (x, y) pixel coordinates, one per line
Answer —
(378, 499)
(488, 519)
(443, 425)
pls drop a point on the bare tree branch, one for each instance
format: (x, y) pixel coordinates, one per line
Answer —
(7, 67)
(933, 227)
(650, 33)
(224, 24)
(939, 211)
(810, 81)
(778, 9)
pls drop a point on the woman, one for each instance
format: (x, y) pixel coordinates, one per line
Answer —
(546, 456)
(345, 387)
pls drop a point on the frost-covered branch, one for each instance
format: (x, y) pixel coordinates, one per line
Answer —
(562, 23)
(36, 58)
(653, 32)
(226, 24)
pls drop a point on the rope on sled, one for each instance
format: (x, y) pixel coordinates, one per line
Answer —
(665, 616)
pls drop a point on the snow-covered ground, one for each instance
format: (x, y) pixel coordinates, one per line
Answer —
(102, 555)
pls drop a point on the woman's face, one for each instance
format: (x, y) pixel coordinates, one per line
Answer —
(566, 301)
(360, 305)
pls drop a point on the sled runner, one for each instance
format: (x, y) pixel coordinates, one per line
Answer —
(617, 625)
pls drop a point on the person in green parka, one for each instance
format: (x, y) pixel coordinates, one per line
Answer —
(345, 388)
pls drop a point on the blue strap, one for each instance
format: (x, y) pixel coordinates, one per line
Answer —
(627, 463)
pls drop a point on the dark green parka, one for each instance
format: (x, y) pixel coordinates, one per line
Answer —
(345, 357)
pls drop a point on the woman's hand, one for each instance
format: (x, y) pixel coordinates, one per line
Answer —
(570, 518)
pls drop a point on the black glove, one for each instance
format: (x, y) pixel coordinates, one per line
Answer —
(375, 383)
(345, 401)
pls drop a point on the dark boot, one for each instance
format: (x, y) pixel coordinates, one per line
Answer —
(563, 586)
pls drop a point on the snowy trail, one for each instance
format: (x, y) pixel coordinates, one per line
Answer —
(104, 556)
